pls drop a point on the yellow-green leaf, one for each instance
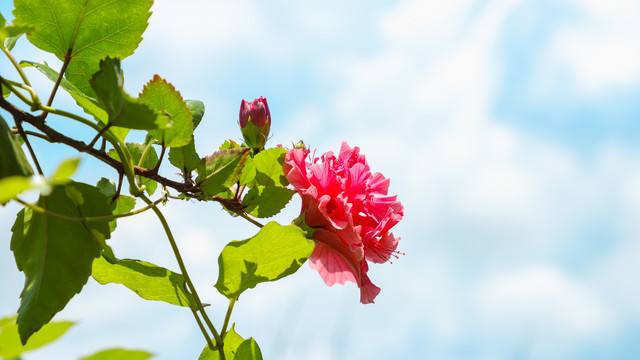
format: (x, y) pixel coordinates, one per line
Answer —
(86, 30)
(162, 97)
(275, 252)
(147, 280)
(10, 345)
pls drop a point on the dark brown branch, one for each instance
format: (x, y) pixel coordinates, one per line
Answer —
(26, 142)
(32, 133)
(67, 60)
(56, 137)
(155, 168)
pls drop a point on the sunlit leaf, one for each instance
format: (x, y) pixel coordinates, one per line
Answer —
(12, 186)
(229, 144)
(119, 354)
(219, 171)
(197, 110)
(91, 29)
(268, 164)
(10, 33)
(5, 91)
(147, 280)
(161, 96)
(66, 169)
(275, 252)
(55, 254)
(235, 348)
(266, 201)
(122, 109)
(10, 345)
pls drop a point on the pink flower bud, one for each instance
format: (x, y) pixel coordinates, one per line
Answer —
(255, 122)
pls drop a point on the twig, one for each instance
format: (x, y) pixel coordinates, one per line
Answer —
(67, 60)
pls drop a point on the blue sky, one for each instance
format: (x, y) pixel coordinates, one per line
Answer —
(509, 130)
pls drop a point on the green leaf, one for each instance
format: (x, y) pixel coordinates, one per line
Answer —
(161, 96)
(89, 104)
(197, 110)
(123, 110)
(119, 354)
(55, 255)
(235, 348)
(229, 144)
(266, 201)
(268, 164)
(9, 34)
(275, 252)
(66, 169)
(92, 29)
(10, 42)
(12, 186)
(219, 171)
(248, 176)
(149, 281)
(185, 157)
(123, 204)
(12, 348)
(12, 159)
(150, 161)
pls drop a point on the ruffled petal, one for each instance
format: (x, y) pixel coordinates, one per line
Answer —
(368, 291)
(378, 184)
(295, 168)
(332, 259)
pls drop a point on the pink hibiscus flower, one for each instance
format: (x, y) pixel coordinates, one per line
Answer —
(349, 206)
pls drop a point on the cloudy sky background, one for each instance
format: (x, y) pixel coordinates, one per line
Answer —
(509, 130)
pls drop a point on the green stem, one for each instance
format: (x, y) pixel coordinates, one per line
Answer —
(187, 279)
(16, 65)
(27, 88)
(11, 85)
(201, 326)
(44, 211)
(228, 316)
(69, 115)
(143, 156)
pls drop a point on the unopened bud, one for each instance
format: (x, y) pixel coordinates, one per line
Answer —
(255, 122)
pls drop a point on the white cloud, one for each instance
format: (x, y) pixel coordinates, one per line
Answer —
(203, 26)
(596, 47)
(546, 302)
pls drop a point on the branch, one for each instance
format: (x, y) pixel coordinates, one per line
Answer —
(56, 137)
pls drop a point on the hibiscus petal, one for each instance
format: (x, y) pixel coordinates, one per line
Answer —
(295, 168)
(378, 185)
(336, 210)
(379, 206)
(368, 291)
(356, 184)
(332, 266)
(380, 251)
